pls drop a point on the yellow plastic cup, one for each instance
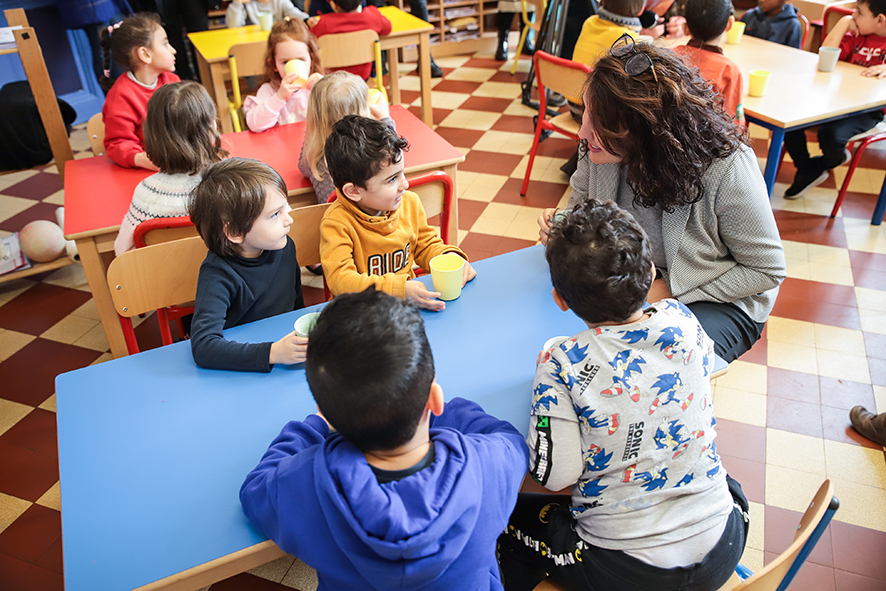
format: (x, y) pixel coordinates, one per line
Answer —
(298, 66)
(265, 20)
(375, 96)
(446, 272)
(305, 324)
(733, 36)
(757, 82)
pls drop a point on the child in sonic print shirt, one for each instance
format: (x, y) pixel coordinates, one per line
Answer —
(622, 414)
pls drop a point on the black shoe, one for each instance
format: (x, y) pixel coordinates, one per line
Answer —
(436, 72)
(868, 424)
(555, 99)
(528, 46)
(503, 21)
(803, 182)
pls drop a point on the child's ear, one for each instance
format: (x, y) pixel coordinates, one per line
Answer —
(558, 299)
(351, 191)
(234, 238)
(435, 399)
(729, 23)
(144, 54)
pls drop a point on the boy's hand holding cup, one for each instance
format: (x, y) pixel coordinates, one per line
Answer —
(289, 350)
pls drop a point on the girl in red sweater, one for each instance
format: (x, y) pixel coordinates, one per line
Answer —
(139, 44)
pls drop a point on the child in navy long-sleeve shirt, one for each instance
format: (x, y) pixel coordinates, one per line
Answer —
(251, 271)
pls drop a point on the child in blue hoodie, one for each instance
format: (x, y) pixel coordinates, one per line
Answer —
(383, 488)
(774, 20)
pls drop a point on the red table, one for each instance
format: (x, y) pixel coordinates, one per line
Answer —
(98, 193)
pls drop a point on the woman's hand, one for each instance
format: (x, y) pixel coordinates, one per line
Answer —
(544, 224)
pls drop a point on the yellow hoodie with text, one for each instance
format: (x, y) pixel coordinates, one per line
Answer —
(358, 250)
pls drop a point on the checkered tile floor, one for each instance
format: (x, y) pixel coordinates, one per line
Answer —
(783, 407)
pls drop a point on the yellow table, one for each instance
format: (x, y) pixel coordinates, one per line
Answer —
(212, 58)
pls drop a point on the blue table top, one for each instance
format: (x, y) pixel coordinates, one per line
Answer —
(153, 449)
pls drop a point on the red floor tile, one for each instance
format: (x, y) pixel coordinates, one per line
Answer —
(437, 115)
(10, 570)
(468, 212)
(461, 86)
(507, 76)
(247, 582)
(793, 416)
(31, 535)
(859, 550)
(793, 385)
(795, 288)
(869, 278)
(867, 260)
(479, 62)
(836, 426)
(44, 360)
(487, 103)
(538, 193)
(37, 187)
(37, 578)
(408, 97)
(842, 295)
(313, 295)
(811, 577)
(41, 307)
(514, 124)
(751, 476)
(780, 525)
(834, 315)
(815, 229)
(845, 394)
(52, 558)
(36, 432)
(506, 245)
(30, 479)
(740, 440)
(858, 205)
(758, 353)
(794, 308)
(847, 581)
(557, 146)
(460, 138)
(490, 162)
(11, 457)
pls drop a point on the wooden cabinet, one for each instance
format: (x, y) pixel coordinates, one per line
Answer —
(460, 26)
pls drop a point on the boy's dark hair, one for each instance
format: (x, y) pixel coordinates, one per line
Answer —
(628, 8)
(357, 149)
(370, 368)
(179, 132)
(121, 41)
(347, 5)
(875, 6)
(230, 197)
(600, 261)
(707, 19)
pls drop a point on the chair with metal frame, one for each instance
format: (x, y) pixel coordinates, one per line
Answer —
(562, 76)
(342, 50)
(244, 59)
(528, 24)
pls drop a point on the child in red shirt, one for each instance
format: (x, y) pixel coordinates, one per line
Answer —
(861, 38)
(138, 43)
(349, 16)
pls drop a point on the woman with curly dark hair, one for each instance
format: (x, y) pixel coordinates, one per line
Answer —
(655, 139)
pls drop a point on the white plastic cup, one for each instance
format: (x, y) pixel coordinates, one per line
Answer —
(827, 58)
(265, 20)
(305, 324)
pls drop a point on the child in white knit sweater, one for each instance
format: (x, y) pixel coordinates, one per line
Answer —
(181, 138)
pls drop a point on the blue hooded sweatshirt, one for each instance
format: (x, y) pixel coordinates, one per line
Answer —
(783, 28)
(316, 496)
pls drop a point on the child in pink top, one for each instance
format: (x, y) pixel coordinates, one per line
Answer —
(283, 98)
(138, 43)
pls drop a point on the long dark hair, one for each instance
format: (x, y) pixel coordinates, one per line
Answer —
(666, 131)
(121, 41)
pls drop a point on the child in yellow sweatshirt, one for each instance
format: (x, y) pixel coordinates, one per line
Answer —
(376, 229)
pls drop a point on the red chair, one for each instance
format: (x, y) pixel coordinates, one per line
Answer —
(562, 76)
(804, 25)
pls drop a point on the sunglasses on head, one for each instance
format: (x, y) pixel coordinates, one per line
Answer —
(635, 62)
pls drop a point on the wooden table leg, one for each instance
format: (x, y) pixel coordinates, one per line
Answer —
(96, 275)
(452, 171)
(205, 75)
(220, 94)
(394, 75)
(424, 72)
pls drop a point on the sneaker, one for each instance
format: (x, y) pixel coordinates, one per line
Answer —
(436, 72)
(847, 156)
(802, 184)
(555, 99)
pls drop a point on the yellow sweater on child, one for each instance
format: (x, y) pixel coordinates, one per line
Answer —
(358, 250)
(596, 38)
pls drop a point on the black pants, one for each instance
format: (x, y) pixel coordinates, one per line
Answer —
(541, 542)
(190, 15)
(419, 8)
(732, 331)
(832, 139)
